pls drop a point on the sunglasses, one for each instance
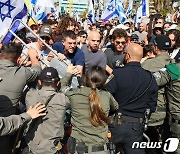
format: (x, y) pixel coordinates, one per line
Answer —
(118, 42)
(158, 22)
(45, 38)
(84, 36)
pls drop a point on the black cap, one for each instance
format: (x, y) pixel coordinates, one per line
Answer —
(50, 75)
(162, 42)
(134, 36)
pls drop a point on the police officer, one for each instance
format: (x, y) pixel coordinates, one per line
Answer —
(12, 123)
(162, 44)
(44, 134)
(171, 76)
(14, 78)
(135, 90)
(90, 107)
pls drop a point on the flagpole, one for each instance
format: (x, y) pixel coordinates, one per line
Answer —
(32, 18)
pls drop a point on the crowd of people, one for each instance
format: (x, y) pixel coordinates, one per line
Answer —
(121, 71)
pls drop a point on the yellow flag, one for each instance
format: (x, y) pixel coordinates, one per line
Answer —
(28, 4)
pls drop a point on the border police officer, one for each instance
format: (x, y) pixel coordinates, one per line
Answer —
(162, 44)
(44, 135)
(14, 78)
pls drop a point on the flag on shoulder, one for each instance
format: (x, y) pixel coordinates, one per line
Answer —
(10, 10)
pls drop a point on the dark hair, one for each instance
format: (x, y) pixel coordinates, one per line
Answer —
(95, 78)
(176, 34)
(119, 32)
(63, 24)
(70, 34)
(11, 51)
(148, 48)
(94, 24)
(82, 32)
(49, 22)
(22, 34)
(169, 23)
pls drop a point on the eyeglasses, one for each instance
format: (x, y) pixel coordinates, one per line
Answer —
(118, 42)
(46, 38)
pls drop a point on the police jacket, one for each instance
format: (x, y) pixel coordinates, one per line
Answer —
(44, 132)
(12, 85)
(12, 123)
(134, 89)
(82, 129)
(154, 65)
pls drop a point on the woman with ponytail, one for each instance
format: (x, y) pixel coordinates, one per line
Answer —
(90, 106)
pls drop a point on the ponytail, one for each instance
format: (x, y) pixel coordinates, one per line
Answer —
(97, 116)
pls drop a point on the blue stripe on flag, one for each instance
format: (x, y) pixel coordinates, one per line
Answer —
(110, 15)
(20, 15)
(34, 1)
(42, 16)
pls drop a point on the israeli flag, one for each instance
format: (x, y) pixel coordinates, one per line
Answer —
(142, 11)
(130, 7)
(40, 9)
(91, 12)
(110, 11)
(120, 11)
(75, 15)
(11, 10)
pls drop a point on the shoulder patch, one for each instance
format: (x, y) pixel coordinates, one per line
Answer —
(109, 78)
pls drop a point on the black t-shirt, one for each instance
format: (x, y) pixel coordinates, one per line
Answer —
(114, 60)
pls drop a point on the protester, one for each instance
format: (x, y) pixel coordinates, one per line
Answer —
(93, 56)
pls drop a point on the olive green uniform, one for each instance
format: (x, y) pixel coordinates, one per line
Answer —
(155, 65)
(44, 132)
(13, 81)
(12, 85)
(82, 129)
(11, 123)
(173, 95)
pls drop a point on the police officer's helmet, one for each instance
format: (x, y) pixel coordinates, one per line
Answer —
(49, 75)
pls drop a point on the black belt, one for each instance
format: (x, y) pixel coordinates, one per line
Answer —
(131, 119)
(81, 147)
(175, 121)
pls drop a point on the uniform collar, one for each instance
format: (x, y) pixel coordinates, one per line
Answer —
(6, 62)
(133, 64)
(48, 88)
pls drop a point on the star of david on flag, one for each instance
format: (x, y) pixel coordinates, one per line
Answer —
(10, 10)
(110, 11)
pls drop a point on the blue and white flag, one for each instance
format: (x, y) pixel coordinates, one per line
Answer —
(120, 11)
(91, 12)
(75, 15)
(11, 10)
(110, 11)
(142, 11)
(130, 7)
(40, 9)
